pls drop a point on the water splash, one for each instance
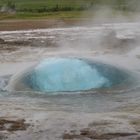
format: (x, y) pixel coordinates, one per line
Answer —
(70, 74)
(65, 74)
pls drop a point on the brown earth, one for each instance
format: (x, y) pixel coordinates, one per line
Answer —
(9, 25)
(12, 125)
(91, 134)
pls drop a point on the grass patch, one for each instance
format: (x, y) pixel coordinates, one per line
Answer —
(46, 15)
(62, 15)
(18, 9)
(66, 5)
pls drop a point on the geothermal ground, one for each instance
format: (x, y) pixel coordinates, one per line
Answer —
(108, 115)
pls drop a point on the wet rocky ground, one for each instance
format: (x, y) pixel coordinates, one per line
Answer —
(26, 116)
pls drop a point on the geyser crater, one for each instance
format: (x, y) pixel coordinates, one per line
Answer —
(69, 75)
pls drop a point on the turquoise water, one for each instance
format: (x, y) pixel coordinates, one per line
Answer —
(72, 74)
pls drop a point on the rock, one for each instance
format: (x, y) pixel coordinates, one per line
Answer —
(71, 136)
(12, 125)
(93, 134)
(2, 41)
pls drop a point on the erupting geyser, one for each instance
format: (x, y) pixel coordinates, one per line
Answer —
(65, 75)
(69, 74)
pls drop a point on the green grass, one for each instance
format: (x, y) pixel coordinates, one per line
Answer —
(48, 5)
(45, 15)
(65, 5)
(60, 8)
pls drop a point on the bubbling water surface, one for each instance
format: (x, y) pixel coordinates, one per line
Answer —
(71, 75)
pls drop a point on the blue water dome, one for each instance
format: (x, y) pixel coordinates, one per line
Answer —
(65, 74)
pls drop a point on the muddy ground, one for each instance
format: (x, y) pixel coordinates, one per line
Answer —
(11, 25)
